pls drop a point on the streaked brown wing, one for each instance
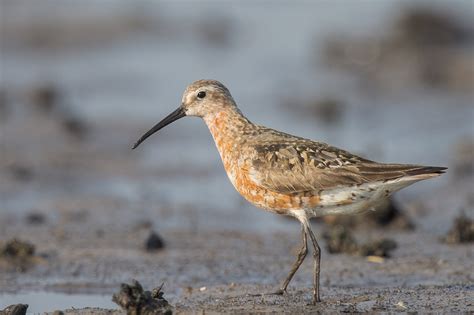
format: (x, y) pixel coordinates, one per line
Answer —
(311, 166)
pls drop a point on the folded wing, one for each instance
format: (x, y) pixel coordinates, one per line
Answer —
(312, 166)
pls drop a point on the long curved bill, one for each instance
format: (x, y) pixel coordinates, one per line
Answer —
(177, 114)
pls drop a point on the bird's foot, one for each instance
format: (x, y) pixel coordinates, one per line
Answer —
(315, 301)
(316, 298)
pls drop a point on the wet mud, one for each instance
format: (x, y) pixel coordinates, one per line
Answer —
(85, 206)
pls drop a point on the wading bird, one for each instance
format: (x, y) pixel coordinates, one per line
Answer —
(287, 174)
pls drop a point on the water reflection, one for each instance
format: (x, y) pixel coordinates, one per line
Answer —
(39, 302)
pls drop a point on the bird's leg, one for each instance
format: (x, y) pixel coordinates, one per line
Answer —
(299, 260)
(317, 263)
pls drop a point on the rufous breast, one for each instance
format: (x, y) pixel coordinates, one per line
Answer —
(237, 166)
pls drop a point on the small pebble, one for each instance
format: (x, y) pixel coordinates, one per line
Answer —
(154, 242)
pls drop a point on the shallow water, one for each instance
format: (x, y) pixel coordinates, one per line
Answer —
(139, 79)
(39, 302)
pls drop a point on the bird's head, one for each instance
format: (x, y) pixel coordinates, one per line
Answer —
(201, 98)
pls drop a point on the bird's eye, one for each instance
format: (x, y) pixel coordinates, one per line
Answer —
(201, 94)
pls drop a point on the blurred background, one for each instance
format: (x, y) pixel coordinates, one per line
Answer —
(82, 80)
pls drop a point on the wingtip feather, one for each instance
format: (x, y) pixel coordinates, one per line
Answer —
(427, 170)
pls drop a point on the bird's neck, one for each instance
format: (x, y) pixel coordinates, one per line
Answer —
(229, 128)
(227, 125)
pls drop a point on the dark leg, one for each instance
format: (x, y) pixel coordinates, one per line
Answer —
(299, 260)
(317, 263)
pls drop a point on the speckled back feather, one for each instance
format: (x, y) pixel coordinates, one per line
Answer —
(283, 173)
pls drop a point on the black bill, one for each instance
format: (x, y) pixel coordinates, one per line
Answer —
(177, 114)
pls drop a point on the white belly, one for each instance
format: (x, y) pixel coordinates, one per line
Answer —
(355, 199)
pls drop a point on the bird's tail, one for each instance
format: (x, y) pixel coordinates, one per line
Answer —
(386, 172)
(402, 175)
(425, 172)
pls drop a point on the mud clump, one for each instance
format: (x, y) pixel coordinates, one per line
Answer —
(462, 231)
(328, 110)
(45, 98)
(135, 301)
(49, 100)
(21, 173)
(18, 253)
(427, 27)
(35, 218)
(16, 309)
(154, 242)
(74, 126)
(390, 214)
(340, 240)
(17, 249)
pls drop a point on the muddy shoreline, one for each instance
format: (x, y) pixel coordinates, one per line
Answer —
(78, 90)
(89, 210)
(213, 269)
